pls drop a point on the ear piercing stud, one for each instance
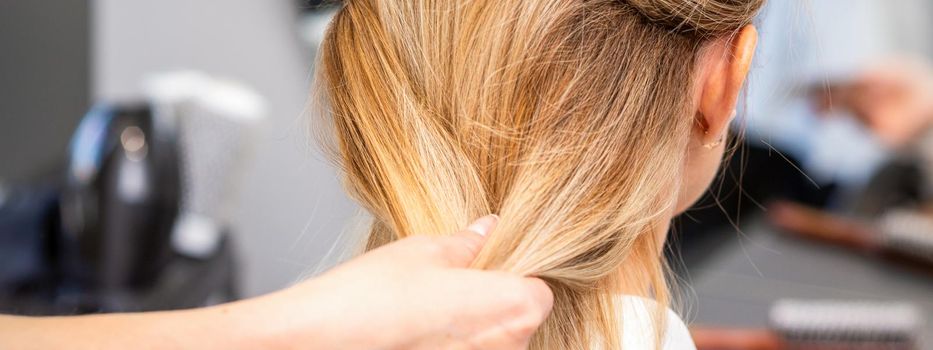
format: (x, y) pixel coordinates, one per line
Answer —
(722, 137)
(716, 143)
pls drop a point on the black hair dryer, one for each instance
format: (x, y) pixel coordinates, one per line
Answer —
(120, 201)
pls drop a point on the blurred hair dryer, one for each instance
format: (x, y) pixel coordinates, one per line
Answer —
(153, 181)
(120, 199)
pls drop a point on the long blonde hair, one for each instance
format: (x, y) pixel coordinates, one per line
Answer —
(568, 118)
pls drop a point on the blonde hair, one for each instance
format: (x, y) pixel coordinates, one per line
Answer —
(568, 118)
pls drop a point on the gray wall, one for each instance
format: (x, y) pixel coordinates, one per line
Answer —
(43, 82)
(292, 207)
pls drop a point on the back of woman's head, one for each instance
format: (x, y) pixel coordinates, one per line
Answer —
(568, 118)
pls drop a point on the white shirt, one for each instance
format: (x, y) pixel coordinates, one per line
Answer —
(638, 328)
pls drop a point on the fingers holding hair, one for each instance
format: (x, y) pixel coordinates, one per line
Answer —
(460, 249)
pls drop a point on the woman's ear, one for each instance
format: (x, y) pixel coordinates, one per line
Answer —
(725, 68)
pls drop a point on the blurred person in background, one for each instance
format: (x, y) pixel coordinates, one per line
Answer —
(835, 102)
(856, 112)
(833, 98)
(894, 100)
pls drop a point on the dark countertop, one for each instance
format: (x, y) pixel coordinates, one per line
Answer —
(738, 281)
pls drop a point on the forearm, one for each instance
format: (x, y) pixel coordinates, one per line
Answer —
(410, 294)
(220, 327)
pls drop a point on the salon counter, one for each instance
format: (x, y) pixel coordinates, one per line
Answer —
(738, 281)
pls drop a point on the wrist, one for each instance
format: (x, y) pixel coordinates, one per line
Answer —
(293, 318)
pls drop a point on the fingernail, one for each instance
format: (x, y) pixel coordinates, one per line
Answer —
(483, 225)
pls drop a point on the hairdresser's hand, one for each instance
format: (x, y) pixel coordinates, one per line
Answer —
(413, 294)
(894, 99)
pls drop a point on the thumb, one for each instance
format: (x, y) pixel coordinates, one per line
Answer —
(461, 248)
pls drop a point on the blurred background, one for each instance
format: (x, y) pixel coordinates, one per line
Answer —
(158, 155)
(63, 57)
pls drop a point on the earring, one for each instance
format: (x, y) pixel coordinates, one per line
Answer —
(722, 137)
(714, 144)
